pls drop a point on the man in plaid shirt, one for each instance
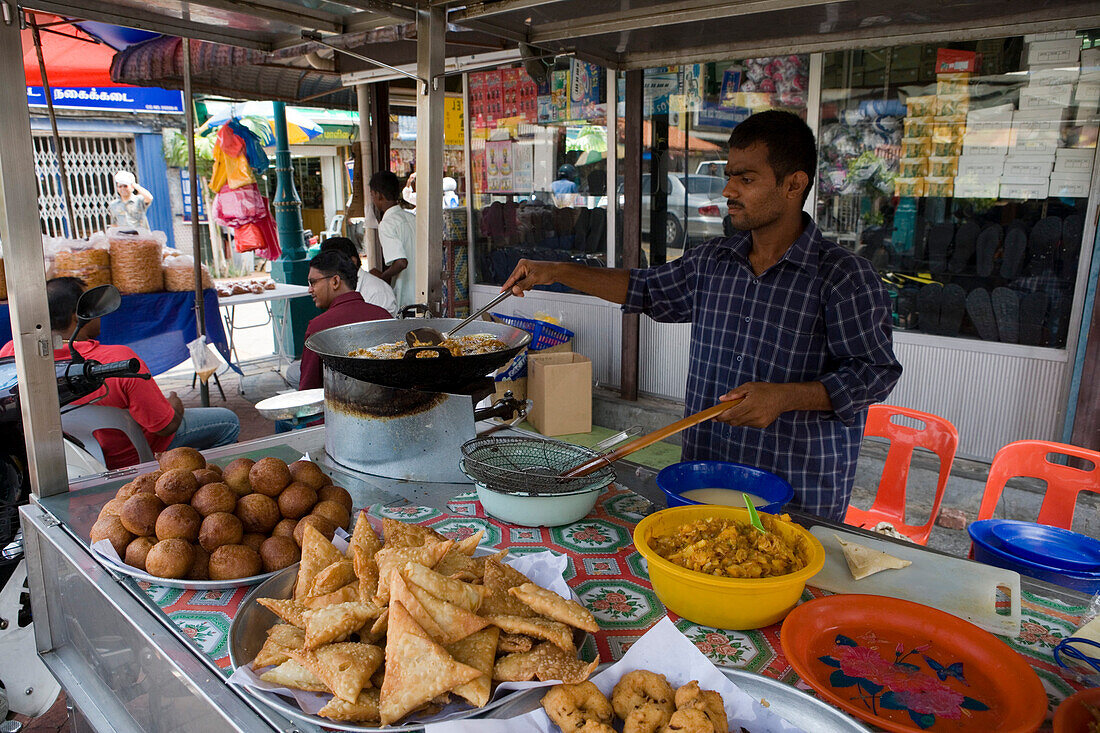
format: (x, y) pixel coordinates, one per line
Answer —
(792, 328)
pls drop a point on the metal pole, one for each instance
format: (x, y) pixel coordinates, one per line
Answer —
(431, 23)
(25, 272)
(632, 226)
(53, 124)
(193, 174)
(366, 161)
(288, 206)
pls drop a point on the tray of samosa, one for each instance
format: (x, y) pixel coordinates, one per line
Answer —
(407, 629)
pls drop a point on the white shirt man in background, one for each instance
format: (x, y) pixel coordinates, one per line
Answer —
(397, 235)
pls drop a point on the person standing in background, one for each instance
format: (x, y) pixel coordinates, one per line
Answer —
(397, 235)
(128, 210)
(374, 289)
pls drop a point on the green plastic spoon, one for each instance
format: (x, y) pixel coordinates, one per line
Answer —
(753, 516)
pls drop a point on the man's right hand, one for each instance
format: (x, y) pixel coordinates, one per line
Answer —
(528, 274)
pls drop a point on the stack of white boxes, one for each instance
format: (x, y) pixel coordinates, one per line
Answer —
(1073, 166)
(985, 145)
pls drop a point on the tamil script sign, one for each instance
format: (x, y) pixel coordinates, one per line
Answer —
(111, 99)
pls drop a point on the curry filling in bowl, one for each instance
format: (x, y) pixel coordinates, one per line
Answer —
(471, 345)
(733, 549)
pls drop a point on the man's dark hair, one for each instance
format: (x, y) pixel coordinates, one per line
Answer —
(345, 245)
(789, 140)
(62, 294)
(335, 262)
(387, 186)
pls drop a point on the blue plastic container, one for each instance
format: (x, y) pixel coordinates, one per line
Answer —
(993, 546)
(687, 475)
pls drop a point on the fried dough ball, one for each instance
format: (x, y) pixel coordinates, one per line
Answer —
(230, 562)
(213, 498)
(220, 529)
(113, 507)
(689, 720)
(207, 476)
(333, 512)
(253, 540)
(269, 476)
(278, 553)
(308, 473)
(139, 514)
(200, 566)
(137, 550)
(258, 513)
(337, 494)
(321, 524)
(572, 707)
(708, 702)
(144, 484)
(235, 476)
(285, 528)
(179, 521)
(297, 500)
(643, 700)
(176, 486)
(171, 558)
(111, 528)
(185, 459)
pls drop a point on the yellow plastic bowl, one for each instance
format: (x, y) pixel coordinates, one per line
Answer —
(710, 600)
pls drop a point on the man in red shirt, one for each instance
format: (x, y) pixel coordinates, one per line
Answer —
(163, 420)
(332, 279)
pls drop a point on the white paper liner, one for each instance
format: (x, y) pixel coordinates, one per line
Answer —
(662, 649)
(543, 568)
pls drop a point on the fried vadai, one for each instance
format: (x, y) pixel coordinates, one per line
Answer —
(269, 476)
(337, 494)
(185, 459)
(277, 553)
(171, 558)
(179, 521)
(235, 476)
(335, 513)
(139, 514)
(572, 707)
(258, 513)
(137, 550)
(644, 700)
(213, 498)
(308, 473)
(297, 500)
(708, 702)
(176, 486)
(230, 562)
(220, 528)
(112, 529)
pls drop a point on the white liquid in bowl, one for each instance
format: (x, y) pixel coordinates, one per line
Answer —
(723, 497)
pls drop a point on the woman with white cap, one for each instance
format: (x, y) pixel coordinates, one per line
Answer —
(128, 210)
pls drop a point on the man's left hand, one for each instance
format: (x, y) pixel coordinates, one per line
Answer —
(761, 403)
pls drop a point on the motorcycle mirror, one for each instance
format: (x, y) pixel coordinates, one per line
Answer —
(98, 302)
(93, 303)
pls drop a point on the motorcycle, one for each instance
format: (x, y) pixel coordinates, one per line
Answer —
(77, 378)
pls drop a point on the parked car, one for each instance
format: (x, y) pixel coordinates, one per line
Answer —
(711, 168)
(695, 199)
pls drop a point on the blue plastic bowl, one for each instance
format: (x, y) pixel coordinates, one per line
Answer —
(688, 475)
(989, 549)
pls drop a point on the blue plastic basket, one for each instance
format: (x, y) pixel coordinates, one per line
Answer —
(543, 334)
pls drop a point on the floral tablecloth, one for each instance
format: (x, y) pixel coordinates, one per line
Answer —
(611, 579)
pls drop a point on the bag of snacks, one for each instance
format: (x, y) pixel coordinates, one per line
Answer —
(179, 274)
(136, 261)
(3, 281)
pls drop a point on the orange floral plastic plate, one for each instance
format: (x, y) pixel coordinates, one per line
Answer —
(906, 667)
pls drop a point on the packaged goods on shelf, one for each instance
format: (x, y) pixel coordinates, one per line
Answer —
(977, 187)
(1073, 161)
(90, 264)
(952, 104)
(1045, 76)
(980, 166)
(1069, 185)
(1056, 95)
(179, 274)
(909, 186)
(136, 261)
(916, 147)
(1090, 64)
(943, 186)
(1062, 51)
(1028, 166)
(1024, 189)
(918, 126)
(999, 113)
(948, 84)
(940, 167)
(913, 167)
(946, 146)
(949, 128)
(924, 106)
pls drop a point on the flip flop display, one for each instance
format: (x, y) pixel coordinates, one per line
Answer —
(1072, 230)
(1006, 309)
(1015, 248)
(952, 308)
(1042, 243)
(965, 240)
(1033, 312)
(939, 241)
(980, 309)
(929, 302)
(989, 241)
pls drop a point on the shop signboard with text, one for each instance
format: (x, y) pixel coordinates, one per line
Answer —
(149, 100)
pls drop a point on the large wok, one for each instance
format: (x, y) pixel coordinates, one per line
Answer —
(443, 373)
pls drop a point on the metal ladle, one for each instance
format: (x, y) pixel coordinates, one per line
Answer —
(428, 336)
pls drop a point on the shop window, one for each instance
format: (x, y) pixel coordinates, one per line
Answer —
(539, 167)
(962, 171)
(688, 114)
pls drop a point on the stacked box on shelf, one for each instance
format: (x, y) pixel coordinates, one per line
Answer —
(1072, 172)
(916, 145)
(984, 147)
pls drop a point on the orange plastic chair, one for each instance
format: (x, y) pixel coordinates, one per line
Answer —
(938, 435)
(1064, 483)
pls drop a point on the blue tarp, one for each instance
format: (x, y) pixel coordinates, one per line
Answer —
(155, 325)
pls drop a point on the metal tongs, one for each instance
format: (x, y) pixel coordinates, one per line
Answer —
(428, 336)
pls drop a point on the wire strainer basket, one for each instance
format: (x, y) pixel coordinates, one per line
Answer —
(530, 466)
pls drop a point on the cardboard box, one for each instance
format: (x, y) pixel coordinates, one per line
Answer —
(1057, 95)
(988, 167)
(1088, 94)
(1062, 51)
(518, 388)
(1090, 64)
(560, 385)
(1000, 113)
(1070, 161)
(1032, 166)
(1045, 76)
(1072, 186)
(953, 61)
(975, 187)
(1024, 189)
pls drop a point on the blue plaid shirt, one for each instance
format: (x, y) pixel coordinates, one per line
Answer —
(819, 314)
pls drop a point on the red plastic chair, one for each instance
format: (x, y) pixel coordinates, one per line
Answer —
(1064, 483)
(938, 435)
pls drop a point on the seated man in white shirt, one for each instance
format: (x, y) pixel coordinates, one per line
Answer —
(374, 289)
(397, 235)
